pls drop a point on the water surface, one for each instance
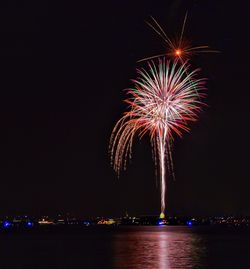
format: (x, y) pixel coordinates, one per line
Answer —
(127, 247)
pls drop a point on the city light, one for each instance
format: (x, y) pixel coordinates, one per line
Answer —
(7, 224)
(29, 224)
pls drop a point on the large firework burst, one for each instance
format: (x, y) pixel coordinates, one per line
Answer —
(162, 103)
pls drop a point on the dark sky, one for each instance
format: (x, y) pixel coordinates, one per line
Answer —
(63, 70)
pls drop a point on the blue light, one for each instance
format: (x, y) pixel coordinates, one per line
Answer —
(6, 224)
(161, 222)
(189, 223)
(29, 224)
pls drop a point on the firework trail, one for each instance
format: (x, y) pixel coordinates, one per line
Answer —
(162, 103)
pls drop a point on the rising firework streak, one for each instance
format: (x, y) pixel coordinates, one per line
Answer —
(162, 103)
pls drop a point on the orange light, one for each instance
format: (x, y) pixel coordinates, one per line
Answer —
(178, 52)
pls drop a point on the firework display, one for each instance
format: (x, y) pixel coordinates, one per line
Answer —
(162, 102)
(178, 48)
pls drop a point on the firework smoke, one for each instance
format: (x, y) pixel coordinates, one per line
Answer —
(162, 103)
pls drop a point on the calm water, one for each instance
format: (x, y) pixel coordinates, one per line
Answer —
(128, 247)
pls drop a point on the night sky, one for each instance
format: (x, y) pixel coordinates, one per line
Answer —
(64, 68)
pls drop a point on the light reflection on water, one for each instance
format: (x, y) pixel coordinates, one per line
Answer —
(158, 248)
